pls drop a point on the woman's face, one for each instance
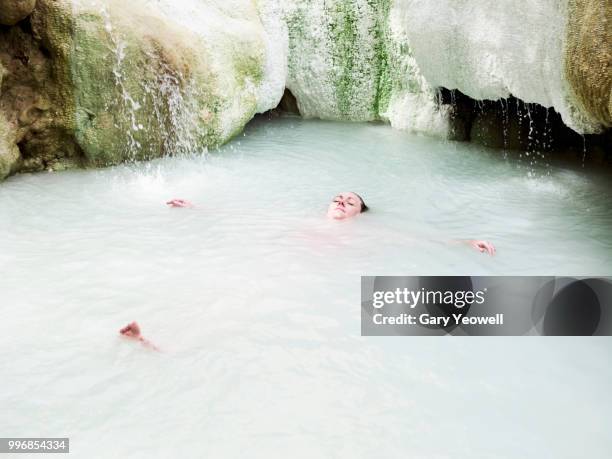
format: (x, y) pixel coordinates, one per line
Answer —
(345, 205)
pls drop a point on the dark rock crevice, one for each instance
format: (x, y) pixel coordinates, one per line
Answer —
(286, 106)
(288, 103)
(31, 106)
(512, 124)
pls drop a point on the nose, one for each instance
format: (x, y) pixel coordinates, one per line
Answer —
(341, 203)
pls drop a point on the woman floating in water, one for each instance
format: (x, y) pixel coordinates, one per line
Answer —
(348, 204)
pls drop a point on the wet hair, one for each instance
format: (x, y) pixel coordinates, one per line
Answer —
(364, 208)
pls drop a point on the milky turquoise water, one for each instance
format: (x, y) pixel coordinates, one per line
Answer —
(253, 297)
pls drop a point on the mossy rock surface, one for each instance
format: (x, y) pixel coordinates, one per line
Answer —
(13, 11)
(588, 58)
(112, 81)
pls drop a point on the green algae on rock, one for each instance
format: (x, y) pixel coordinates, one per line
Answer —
(113, 81)
(9, 153)
(351, 60)
(336, 57)
(104, 84)
(145, 86)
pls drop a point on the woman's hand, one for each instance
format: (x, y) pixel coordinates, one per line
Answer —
(179, 203)
(483, 246)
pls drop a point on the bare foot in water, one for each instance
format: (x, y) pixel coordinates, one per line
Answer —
(483, 246)
(179, 203)
(132, 330)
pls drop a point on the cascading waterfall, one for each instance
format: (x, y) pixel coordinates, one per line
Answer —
(170, 96)
(126, 105)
